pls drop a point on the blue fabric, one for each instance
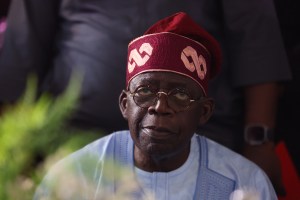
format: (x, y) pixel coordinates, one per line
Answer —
(93, 171)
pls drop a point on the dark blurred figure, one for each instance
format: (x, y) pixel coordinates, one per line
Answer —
(53, 37)
(4, 7)
(289, 104)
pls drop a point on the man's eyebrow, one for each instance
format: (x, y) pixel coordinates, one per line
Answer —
(134, 85)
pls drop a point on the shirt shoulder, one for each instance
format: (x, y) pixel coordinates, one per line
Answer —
(246, 174)
(83, 169)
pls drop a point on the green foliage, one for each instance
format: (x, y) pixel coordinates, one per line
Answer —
(32, 131)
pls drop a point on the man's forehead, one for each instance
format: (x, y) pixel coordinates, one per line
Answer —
(169, 79)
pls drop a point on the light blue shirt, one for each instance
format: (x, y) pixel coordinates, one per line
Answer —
(211, 172)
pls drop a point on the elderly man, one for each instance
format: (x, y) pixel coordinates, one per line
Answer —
(164, 101)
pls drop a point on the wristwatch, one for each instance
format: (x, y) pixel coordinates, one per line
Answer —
(257, 134)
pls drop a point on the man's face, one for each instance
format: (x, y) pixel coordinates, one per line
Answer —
(159, 129)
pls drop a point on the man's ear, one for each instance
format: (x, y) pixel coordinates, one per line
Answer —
(207, 109)
(123, 104)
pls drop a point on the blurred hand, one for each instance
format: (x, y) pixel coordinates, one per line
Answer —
(266, 158)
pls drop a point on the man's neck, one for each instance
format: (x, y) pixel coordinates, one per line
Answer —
(160, 163)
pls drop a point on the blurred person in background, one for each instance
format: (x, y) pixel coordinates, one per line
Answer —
(4, 7)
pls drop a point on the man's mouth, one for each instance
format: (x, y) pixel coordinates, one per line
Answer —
(158, 132)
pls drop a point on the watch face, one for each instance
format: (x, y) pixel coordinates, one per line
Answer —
(256, 134)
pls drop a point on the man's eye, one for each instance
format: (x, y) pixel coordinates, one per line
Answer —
(181, 95)
(144, 91)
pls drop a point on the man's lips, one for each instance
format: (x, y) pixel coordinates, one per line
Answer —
(158, 132)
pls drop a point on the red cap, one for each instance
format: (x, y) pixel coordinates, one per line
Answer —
(175, 44)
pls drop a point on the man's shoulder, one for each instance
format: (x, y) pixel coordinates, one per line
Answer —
(229, 163)
(93, 153)
(105, 143)
(221, 153)
(96, 150)
(82, 167)
(224, 164)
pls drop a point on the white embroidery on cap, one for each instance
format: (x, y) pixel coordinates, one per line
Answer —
(197, 63)
(135, 57)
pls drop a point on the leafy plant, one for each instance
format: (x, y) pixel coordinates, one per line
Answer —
(32, 131)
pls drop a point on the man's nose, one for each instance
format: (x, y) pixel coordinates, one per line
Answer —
(161, 104)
